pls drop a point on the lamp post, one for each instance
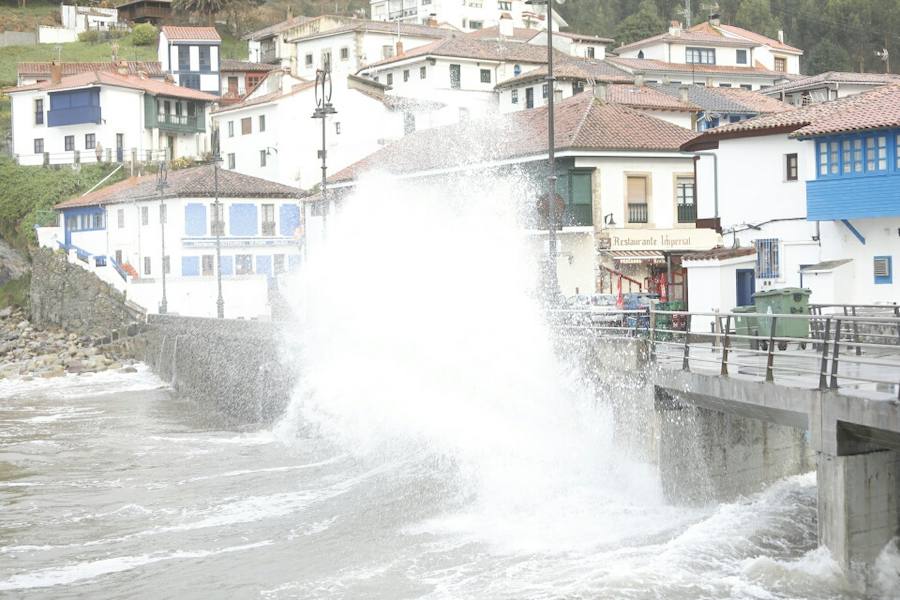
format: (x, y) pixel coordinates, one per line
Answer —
(218, 223)
(552, 283)
(161, 184)
(323, 109)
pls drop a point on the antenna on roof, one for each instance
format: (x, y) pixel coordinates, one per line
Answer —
(885, 57)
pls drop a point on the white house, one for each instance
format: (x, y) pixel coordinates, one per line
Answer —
(813, 191)
(118, 231)
(107, 116)
(88, 18)
(271, 134)
(827, 86)
(191, 56)
(628, 189)
(465, 16)
(578, 45)
(240, 77)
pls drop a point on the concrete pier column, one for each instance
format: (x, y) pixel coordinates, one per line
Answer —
(858, 504)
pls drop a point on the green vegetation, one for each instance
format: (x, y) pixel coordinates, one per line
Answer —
(26, 18)
(144, 35)
(28, 195)
(15, 292)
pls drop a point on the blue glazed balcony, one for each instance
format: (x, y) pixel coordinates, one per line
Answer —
(73, 116)
(864, 197)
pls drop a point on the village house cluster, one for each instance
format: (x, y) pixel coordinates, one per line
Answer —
(697, 164)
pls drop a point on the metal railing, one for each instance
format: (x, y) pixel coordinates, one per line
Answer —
(824, 351)
(687, 213)
(638, 213)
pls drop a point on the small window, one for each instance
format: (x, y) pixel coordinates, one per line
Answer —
(337, 128)
(278, 264)
(485, 75)
(70, 143)
(741, 57)
(590, 52)
(390, 79)
(545, 90)
(163, 214)
(790, 167)
(514, 96)
(405, 75)
(120, 219)
(767, 258)
(834, 158)
(422, 72)
(146, 265)
(883, 269)
(97, 221)
(345, 53)
(326, 60)
(476, 24)
(640, 54)
(746, 86)
(39, 145)
(246, 125)
(230, 128)
(529, 97)
(723, 84)
(231, 160)
(39, 111)
(897, 151)
(145, 215)
(387, 51)
(205, 62)
(308, 60)
(455, 76)
(243, 264)
(504, 5)
(90, 141)
(206, 262)
(700, 56)
(262, 158)
(780, 64)
(636, 197)
(262, 122)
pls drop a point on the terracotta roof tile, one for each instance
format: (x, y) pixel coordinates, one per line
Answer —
(277, 28)
(646, 97)
(757, 37)
(467, 47)
(573, 68)
(42, 69)
(647, 64)
(152, 86)
(229, 64)
(699, 36)
(582, 123)
(190, 34)
(193, 182)
(831, 77)
(363, 25)
(493, 33)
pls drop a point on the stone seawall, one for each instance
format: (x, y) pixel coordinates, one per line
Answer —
(232, 367)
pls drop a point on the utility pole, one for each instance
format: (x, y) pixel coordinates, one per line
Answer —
(161, 184)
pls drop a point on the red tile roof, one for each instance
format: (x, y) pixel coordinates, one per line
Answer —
(647, 64)
(467, 47)
(573, 68)
(191, 34)
(753, 100)
(193, 182)
(687, 36)
(815, 81)
(756, 37)
(646, 97)
(42, 69)
(582, 123)
(91, 78)
(266, 98)
(229, 64)
(493, 33)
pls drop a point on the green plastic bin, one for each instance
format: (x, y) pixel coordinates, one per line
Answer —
(745, 324)
(784, 301)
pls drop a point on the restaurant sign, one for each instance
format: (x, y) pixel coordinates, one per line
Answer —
(664, 240)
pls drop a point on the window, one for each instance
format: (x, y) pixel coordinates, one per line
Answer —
(278, 266)
(514, 96)
(243, 264)
(145, 215)
(741, 57)
(390, 79)
(189, 80)
(897, 151)
(120, 219)
(780, 64)
(767, 258)
(90, 141)
(308, 60)
(422, 72)
(230, 128)
(876, 153)
(685, 199)
(146, 265)
(529, 97)
(485, 75)
(476, 24)
(262, 158)
(700, 56)
(638, 211)
(724, 85)
(70, 143)
(206, 263)
(118, 257)
(163, 214)
(883, 269)
(217, 219)
(833, 158)
(387, 51)
(345, 53)
(504, 5)
(231, 160)
(166, 265)
(577, 87)
(268, 219)
(337, 128)
(184, 58)
(545, 90)
(262, 122)
(455, 76)
(790, 167)
(97, 221)
(205, 63)
(746, 86)
(640, 54)
(405, 75)
(39, 111)
(857, 156)
(246, 126)
(326, 59)
(580, 205)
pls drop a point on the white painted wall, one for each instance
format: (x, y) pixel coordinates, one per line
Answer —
(56, 35)
(712, 286)
(882, 239)
(362, 48)
(461, 14)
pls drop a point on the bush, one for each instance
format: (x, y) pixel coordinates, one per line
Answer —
(144, 35)
(90, 36)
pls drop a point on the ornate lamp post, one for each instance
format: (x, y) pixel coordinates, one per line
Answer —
(161, 177)
(218, 223)
(323, 109)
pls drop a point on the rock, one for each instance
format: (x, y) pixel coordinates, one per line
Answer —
(6, 312)
(127, 370)
(22, 325)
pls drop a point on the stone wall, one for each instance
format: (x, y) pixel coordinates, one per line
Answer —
(230, 366)
(67, 296)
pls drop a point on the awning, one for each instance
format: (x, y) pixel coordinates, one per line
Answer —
(637, 256)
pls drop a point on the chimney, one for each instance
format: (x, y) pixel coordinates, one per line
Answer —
(781, 35)
(431, 21)
(505, 27)
(122, 67)
(399, 48)
(714, 20)
(683, 93)
(601, 91)
(639, 80)
(55, 72)
(557, 95)
(675, 28)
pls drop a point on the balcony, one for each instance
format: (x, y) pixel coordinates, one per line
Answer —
(687, 213)
(578, 215)
(179, 123)
(268, 56)
(73, 115)
(638, 213)
(863, 197)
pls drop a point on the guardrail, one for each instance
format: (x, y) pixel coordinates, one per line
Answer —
(828, 350)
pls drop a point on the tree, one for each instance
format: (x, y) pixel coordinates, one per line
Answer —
(827, 56)
(644, 23)
(756, 16)
(208, 8)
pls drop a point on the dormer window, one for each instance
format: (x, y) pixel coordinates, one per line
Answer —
(700, 56)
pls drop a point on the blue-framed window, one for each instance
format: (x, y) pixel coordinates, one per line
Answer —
(857, 155)
(883, 269)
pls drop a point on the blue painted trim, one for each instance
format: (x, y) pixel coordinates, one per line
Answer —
(824, 142)
(72, 107)
(194, 219)
(264, 265)
(226, 265)
(889, 278)
(289, 217)
(854, 231)
(293, 262)
(243, 219)
(190, 266)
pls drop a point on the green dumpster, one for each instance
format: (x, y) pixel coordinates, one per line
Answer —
(745, 324)
(784, 301)
(669, 322)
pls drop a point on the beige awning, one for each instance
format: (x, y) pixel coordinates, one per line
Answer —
(637, 256)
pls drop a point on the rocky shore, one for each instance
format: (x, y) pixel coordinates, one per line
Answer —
(27, 352)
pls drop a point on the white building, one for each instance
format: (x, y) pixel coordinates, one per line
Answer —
(465, 16)
(827, 86)
(88, 18)
(191, 56)
(269, 45)
(815, 191)
(272, 135)
(628, 189)
(107, 116)
(117, 232)
(240, 77)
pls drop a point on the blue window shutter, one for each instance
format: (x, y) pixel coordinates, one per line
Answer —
(226, 265)
(195, 219)
(190, 266)
(243, 219)
(290, 219)
(264, 265)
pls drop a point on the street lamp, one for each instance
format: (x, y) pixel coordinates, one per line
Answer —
(161, 177)
(323, 109)
(218, 223)
(552, 283)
